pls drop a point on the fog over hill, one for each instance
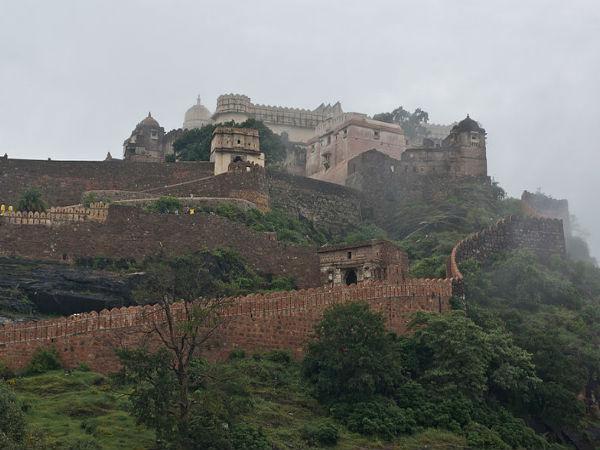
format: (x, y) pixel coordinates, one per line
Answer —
(76, 77)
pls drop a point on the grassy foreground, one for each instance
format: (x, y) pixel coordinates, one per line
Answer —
(84, 405)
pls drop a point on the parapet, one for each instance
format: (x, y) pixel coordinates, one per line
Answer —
(97, 212)
(542, 236)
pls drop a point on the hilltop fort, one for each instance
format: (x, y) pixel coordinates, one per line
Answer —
(357, 170)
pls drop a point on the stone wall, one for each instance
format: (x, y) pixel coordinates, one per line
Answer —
(279, 320)
(541, 205)
(330, 206)
(97, 212)
(544, 237)
(63, 182)
(130, 232)
(246, 185)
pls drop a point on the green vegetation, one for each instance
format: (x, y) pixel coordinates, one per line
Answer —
(194, 145)
(412, 123)
(43, 360)
(165, 205)
(552, 312)
(215, 273)
(288, 229)
(31, 201)
(450, 374)
(70, 410)
(429, 230)
(79, 410)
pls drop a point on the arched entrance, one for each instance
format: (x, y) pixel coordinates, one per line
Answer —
(350, 277)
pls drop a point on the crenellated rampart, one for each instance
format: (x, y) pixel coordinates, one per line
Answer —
(97, 212)
(256, 322)
(542, 236)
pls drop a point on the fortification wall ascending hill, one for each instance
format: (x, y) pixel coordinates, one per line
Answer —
(543, 236)
(279, 320)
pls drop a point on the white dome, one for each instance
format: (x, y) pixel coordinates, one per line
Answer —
(197, 116)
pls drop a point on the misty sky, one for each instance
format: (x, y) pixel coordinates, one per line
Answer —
(76, 76)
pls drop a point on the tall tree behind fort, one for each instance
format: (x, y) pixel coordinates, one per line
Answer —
(194, 145)
(411, 123)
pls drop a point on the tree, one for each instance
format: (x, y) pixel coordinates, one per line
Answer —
(353, 356)
(411, 123)
(31, 201)
(455, 354)
(183, 325)
(194, 145)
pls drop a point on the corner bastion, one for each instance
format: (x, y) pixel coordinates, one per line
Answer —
(542, 236)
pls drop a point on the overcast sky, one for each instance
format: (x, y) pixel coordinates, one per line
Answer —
(76, 76)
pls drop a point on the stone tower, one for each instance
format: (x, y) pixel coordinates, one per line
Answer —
(231, 145)
(145, 142)
(468, 153)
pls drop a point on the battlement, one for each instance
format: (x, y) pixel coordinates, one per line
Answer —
(97, 212)
(543, 236)
(254, 322)
(277, 115)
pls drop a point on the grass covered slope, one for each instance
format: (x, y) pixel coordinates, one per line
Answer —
(84, 407)
(78, 407)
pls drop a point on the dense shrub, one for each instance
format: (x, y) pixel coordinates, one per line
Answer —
(380, 417)
(42, 361)
(280, 356)
(237, 353)
(353, 356)
(5, 372)
(12, 419)
(320, 433)
(165, 205)
(247, 437)
(288, 229)
(480, 437)
(31, 201)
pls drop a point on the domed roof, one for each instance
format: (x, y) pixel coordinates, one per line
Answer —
(468, 124)
(197, 116)
(150, 122)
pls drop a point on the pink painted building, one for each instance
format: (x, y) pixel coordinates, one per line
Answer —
(340, 138)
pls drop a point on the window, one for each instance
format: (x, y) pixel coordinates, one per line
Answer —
(239, 142)
(345, 133)
(153, 134)
(392, 169)
(376, 134)
(349, 255)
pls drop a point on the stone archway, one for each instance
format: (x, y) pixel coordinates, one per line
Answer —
(350, 277)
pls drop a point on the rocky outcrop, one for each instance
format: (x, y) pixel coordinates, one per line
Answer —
(27, 286)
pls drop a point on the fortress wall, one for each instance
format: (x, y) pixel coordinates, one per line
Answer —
(250, 186)
(129, 232)
(540, 205)
(63, 182)
(331, 206)
(97, 212)
(542, 236)
(278, 320)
